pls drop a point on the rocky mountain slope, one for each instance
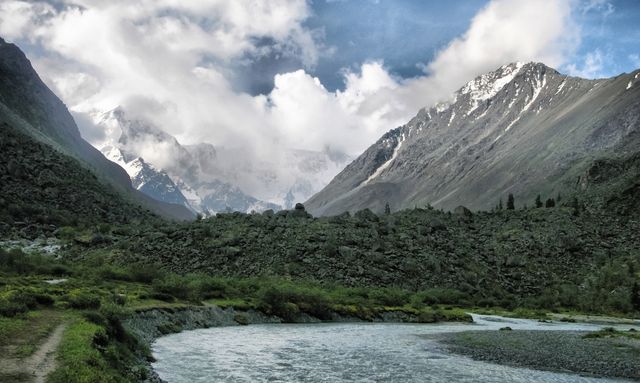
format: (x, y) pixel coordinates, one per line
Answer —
(27, 105)
(523, 129)
(588, 241)
(213, 179)
(42, 190)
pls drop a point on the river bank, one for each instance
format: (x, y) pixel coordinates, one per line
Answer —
(560, 351)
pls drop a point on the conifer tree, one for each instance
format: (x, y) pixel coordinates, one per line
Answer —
(635, 296)
(538, 201)
(510, 202)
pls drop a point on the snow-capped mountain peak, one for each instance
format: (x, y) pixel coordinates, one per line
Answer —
(488, 85)
(481, 144)
(146, 178)
(212, 178)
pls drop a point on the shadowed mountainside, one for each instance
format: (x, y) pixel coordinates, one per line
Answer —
(27, 105)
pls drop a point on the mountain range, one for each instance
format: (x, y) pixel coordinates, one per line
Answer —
(28, 106)
(208, 179)
(523, 129)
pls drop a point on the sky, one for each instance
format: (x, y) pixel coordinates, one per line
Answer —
(270, 75)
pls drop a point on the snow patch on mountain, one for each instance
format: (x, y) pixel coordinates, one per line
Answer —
(538, 85)
(146, 178)
(488, 85)
(385, 165)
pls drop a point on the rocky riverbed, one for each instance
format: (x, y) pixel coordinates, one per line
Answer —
(564, 351)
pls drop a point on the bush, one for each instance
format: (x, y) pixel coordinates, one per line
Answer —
(288, 301)
(211, 288)
(16, 261)
(438, 296)
(145, 273)
(162, 297)
(113, 273)
(173, 285)
(95, 317)
(11, 309)
(44, 299)
(390, 297)
(24, 297)
(83, 300)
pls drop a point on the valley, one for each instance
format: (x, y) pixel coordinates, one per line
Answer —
(451, 249)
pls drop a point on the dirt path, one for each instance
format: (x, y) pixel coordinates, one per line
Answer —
(36, 367)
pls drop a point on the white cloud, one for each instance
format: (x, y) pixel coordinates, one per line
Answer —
(18, 17)
(504, 31)
(171, 60)
(604, 7)
(374, 102)
(592, 66)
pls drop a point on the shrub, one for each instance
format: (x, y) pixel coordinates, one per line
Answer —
(16, 261)
(162, 297)
(210, 288)
(95, 317)
(390, 297)
(287, 301)
(11, 309)
(44, 299)
(82, 300)
(144, 273)
(24, 297)
(427, 316)
(174, 285)
(438, 296)
(114, 273)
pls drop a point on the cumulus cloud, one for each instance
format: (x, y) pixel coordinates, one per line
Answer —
(171, 61)
(504, 31)
(373, 101)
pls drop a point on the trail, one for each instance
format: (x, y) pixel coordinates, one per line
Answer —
(43, 361)
(36, 367)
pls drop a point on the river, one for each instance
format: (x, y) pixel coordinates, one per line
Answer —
(342, 352)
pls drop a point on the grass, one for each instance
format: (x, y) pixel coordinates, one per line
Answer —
(20, 336)
(79, 360)
(11, 327)
(95, 347)
(96, 295)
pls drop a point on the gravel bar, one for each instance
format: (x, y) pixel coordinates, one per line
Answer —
(562, 351)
